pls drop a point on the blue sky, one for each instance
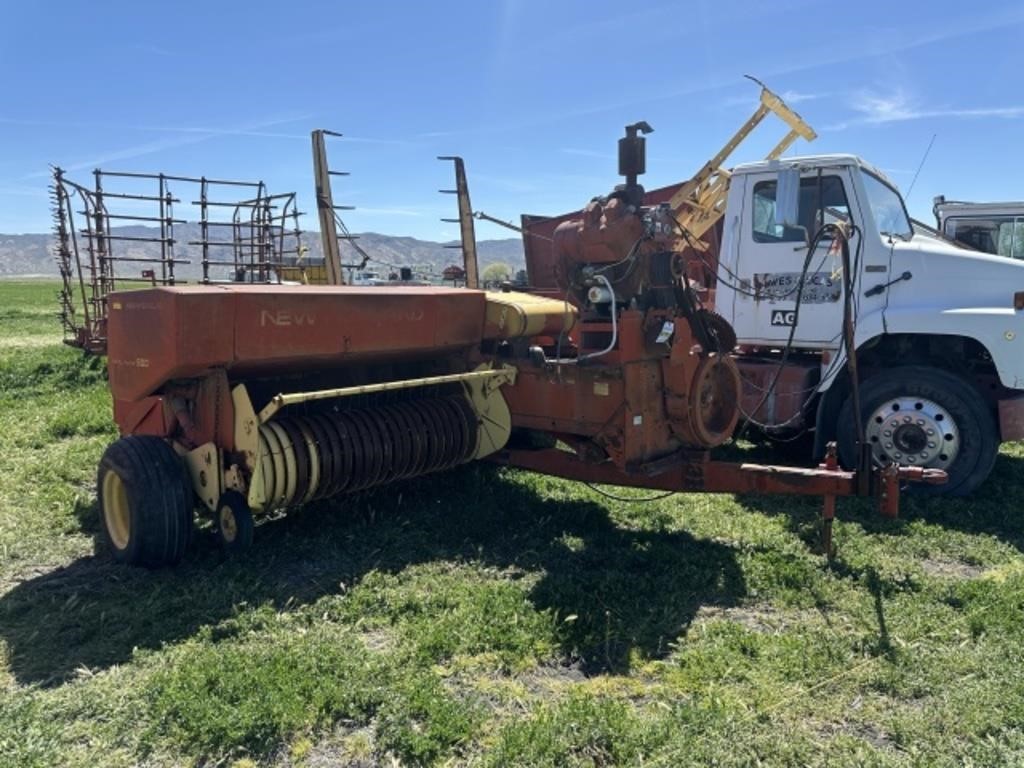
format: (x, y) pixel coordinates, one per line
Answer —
(532, 94)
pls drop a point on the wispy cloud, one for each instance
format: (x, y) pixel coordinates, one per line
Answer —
(389, 211)
(187, 130)
(791, 97)
(185, 137)
(896, 106)
(369, 140)
(868, 48)
(797, 97)
(506, 183)
(857, 48)
(20, 191)
(173, 129)
(437, 134)
(155, 50)
(587, 153)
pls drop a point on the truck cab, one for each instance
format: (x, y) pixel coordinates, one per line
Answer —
(938, 329)
(996, 228)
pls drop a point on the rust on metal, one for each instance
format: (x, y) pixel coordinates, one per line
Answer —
(785, 400)
(828, 507)
(701, 474)
(1011, 418)
(467, 233)
(125, 229)
(325, 209)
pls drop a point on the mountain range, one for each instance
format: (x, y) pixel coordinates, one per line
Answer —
(33, 254)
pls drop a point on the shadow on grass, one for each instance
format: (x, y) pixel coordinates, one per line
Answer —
(995, 509)
(631, 590)
(87, 513)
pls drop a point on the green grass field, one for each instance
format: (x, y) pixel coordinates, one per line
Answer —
(492, 617)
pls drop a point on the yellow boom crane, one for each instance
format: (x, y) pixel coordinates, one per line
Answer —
(700, 202)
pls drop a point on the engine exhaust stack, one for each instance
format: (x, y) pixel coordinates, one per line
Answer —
(633, 159)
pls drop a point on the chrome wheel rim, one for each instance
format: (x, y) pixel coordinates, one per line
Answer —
(913, 431)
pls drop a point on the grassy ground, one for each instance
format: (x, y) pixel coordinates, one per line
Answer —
(493, 618)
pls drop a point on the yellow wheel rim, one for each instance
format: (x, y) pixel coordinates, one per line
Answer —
(116, 513)
(228, 526)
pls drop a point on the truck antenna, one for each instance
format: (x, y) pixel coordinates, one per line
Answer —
(919, 167)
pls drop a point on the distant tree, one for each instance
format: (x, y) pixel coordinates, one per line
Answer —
(496, 273)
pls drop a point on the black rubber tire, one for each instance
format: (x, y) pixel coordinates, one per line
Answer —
(158, 498)
(240, 538)
(979, 435)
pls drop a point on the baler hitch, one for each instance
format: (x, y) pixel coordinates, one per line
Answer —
(885, 483)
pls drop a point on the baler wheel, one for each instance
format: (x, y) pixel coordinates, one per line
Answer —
(233, 523)
(145, 499)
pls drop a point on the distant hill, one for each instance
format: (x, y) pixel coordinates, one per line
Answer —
(32, 254)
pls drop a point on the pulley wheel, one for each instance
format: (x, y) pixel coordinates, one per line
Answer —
(714, 400)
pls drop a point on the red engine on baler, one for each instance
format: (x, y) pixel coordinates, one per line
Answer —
(649, 376)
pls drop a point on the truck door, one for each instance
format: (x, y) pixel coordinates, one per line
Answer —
(770, 259)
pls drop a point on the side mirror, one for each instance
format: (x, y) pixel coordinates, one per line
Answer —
(787, 197)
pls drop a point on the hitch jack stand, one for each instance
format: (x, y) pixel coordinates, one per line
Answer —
(828, 508)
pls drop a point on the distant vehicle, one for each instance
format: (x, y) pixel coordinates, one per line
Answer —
(996, 228)
(367, 278)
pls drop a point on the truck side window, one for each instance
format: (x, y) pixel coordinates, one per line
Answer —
(833, 203)
(1003, 236)
(980, 234)
(1011, 239)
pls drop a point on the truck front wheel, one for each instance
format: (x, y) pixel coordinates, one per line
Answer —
(925, 417)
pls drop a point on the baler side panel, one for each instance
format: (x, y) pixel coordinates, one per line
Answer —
(159, 335)
(277, 329)
(156, 335)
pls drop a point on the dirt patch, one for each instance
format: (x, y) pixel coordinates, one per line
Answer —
(951, 569)
(378, 640)
(345, 747)
(541, 680)
(869, 732)
(761, 618)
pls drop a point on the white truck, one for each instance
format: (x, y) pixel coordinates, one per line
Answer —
(939, 329)
(996, 228)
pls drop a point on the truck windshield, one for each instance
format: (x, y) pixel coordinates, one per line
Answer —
(887, 208)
